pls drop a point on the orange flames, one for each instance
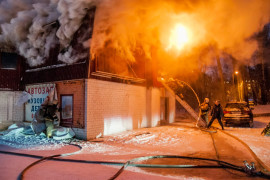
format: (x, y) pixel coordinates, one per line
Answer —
(178, 30)
(178, 38)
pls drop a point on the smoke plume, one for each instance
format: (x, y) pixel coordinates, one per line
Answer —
(226, 25)
(24, 26)
(130, 26)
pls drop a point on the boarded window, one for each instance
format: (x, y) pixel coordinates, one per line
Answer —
(8, 60)
(67, 110)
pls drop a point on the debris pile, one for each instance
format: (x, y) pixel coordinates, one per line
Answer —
(46, 121)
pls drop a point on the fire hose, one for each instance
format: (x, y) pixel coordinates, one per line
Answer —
(222, 164)
(48, 158)
(248, 168)
(265, 169)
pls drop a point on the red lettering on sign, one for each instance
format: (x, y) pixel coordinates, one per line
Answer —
(39, 90)
(32, 90)
(43, 90)
(47, 90)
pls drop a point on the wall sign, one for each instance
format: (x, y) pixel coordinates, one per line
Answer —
(39, 94)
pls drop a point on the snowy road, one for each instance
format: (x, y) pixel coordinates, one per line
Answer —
(180, 138)
(251, 136)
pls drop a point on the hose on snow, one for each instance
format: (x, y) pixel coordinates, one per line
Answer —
(222, 164)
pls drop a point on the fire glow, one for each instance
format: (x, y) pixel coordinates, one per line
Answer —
(128, 27)
(182, 35)
(178, 38)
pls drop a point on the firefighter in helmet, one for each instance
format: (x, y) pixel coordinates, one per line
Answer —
(204, 110)
(51, 117)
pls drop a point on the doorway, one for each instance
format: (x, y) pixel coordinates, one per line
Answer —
(164, 110)
(66, 113)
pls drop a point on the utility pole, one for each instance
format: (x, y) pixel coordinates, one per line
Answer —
(235, 78)
(221, 77)
(263, 87)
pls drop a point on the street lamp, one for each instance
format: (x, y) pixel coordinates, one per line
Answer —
(235, 73)
(239, 90)
(234, 88)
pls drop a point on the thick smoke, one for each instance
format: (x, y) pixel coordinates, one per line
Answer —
(24, 25)
(130, 26)
(226, 25)
(72, 13)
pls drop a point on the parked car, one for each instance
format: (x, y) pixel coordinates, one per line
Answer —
(251, 103)
(238, 113)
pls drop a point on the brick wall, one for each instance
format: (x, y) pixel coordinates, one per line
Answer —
(10, 113)
(80, 133)
(115, 107)
(105, 108)
(77, 89)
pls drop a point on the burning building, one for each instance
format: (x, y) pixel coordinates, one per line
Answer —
(11, 86)
(104, 57)
(98, 96)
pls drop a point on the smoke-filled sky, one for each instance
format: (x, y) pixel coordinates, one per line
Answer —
(224, 25)
(136, 25)
(23, 26)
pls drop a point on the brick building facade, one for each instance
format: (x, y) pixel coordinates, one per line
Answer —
(95, 99)
(11, 86)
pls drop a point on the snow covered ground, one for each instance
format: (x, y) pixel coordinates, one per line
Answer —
(180, 138)
(259, 144)
(261, 109)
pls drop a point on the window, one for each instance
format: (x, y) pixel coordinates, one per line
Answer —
(67, 110)
(9, 60)
(111, 62)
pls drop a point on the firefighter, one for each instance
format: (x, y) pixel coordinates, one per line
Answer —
(205, 108)
(51, 117)
(266, 130)
(216, 113)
